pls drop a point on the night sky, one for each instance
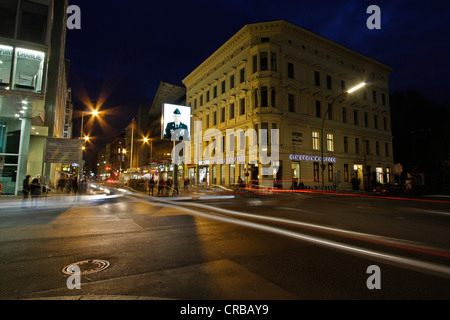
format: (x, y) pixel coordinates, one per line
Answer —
(124, 49)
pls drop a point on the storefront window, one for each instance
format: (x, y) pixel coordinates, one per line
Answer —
(387, 175)
(29, 70)
(6, 54)
(9, 151)
(295, 173)
(232, 174)
(380, 175)
(222, 174)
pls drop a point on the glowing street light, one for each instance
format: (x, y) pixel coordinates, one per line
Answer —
(344, 95)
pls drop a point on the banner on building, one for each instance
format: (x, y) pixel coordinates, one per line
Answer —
(62, 150)
(176, 122)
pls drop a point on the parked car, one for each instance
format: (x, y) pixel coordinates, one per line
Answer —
(388, 189)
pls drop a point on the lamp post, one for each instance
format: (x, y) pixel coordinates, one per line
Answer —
(344, 95)
(86, 138)
(146, 140)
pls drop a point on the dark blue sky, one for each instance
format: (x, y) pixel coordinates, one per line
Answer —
(125, 49)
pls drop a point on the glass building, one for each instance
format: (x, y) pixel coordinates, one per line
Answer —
(25, 43)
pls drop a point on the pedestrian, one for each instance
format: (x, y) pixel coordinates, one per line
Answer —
(168, 186)
(161, 187)
(75, 187)
(35, 190)
(151, 185)
(186, 183)
(26, 190)
(240, 182)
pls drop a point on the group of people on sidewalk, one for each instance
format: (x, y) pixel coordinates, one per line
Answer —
(36, 189)
(164, 187)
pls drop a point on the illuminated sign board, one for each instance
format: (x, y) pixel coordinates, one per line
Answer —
(176, 122)
(301, 157)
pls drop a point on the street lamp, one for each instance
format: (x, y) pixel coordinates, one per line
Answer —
(146, 140)
(85, 138)
(344, 95)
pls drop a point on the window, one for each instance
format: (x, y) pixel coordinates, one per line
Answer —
(242, 107)
(346, 144)
(383, 99)
(255, 63)
(365, 95)
(207, 96)
(317, 78)
(330, 142)
(357, 145)
(29, 70)
(222, 115)
(330, 172)
(374, 96)
(330, 112)
(316, 171)
(375, 121)
(272, 97)
(386, 149)
(377, 147)
(207, 121)
(242, 75)
(265, 39)
(264, 61)
(379, 174)
(367, 147)
(201, 100)
(214, 118)
(33, 22)
(232, 82)
(273, 61)
(366, 119)
(264, 97)
(290, 68)
(232, 111)
(388, 175)
(329, 82)
(6, 54)
(8, 10)
(215, 92)
(223, 87)
(346, 173)
(385, 123)
(344, 114)
(355, 117)
(315, 140)
(343, 85)
(291, 103)
(318, 111)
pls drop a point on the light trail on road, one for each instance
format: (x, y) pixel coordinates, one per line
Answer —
(413, 264)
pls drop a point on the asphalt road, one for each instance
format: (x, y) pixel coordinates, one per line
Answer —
(269, 247)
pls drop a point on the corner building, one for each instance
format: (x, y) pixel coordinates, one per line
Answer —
(276, 75)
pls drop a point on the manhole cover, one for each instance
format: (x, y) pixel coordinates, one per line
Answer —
(87, 266)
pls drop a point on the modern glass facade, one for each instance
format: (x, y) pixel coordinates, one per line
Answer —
(24, 48)
(10, 132)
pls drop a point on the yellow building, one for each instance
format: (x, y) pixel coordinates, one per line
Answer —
(276, 75)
